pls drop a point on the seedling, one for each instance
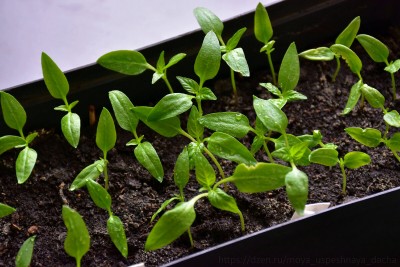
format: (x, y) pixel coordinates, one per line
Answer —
(24, 255)
(345, 38)
(15, 117)
(134, 63)
(58, 86)
(232, 55)
(379, 52)
(77, 242)
(5, 210)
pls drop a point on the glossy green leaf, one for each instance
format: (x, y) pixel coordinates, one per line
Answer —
(289, 72)
(116, 231)
(268, 48)
(318, 54)
(122, 107)
(227, 147)
(208, 21)
(77, 242)
(71, 128)
(325, 156)
(193, 149)
(259, 178)
(312, 140)
(124, 61)
(346, 37)
(205, 174)
(232, 123)
(221, 200)
(287, 151)
(272, 89)
(234, 40)
(90, 172)
(171, 225)
(13, 113)
(355, 94)
(190, 85)
(393, 67)
(160, 62)
(236, 60)
(168, 128)
(373, 96)
(194, 127)
(30, 138)
(293, 96)
(175, 59)
(5, 210)
(206, 94)
(369, 137)
(181, 169)
(24, 255)
(351, 58)
(270, 115)
(208, 59)
(355, 159)
(392, 118)
(257, 144)
(24, 164)
(148, 157)
(163, 206)
(262, 24)
(298, 150)
(156, 77)
(8, 142)
(106, 135)
(170, 106)
(54, 78)
(377, 50)
(296, 183)
(99, 195)
(394, 142)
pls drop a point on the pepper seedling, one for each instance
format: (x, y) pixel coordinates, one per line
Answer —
(379, 52)
(232, 55)
(24, 255)
(346, 38)
(5, 210)
(134, 63)
(15, 117)
(57, 85)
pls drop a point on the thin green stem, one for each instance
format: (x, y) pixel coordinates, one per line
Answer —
(190, 237)
(386, 130)
(78, 262)
(395, 154)
(271, 66)
(268, 152)
(105, 171)
(241, 221)
(164, 77)
(393, 86)
(182, 132)
(221, 172)
(223, 181)
(337, 69)
(234, 86)
(344, 183)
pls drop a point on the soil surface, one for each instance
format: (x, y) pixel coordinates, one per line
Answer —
(136, 195)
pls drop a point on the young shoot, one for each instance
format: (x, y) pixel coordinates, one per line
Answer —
(379, 52)
(130, 62)
(25, 252)
(57, 85)
(345, 38)
(232, 55)
(5, 210)
(15, 117)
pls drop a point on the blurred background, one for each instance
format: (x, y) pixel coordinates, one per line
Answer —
(75, 33)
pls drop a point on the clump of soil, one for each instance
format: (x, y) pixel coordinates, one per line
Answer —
(136, 195)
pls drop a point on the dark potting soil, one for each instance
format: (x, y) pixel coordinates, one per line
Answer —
(136, 195)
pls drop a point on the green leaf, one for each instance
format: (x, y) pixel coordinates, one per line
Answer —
(170, 106)
(99, 195)
(181, 169)
(90, 172)
(171, 225)
(71, 128)
(156, 77)
(208, 59)
(24, 255)
(206, 94)
(13, 113)
(106, 136)
(257, 144)
(351, 58)
(355, 159)
(268, 48)
(175, 59)
(270, 115)
(318, 54)
(312, 140)
(325, 156)
(161, 62)
(190, 85)
(272, 89)
(259, 178)
(54, 78)
(193, 149)
(122, 107)
(5, 210)
(296, 183)
(77, 242)
(392, 118)
(289, 72)
(346, 37)
(194, 127)
(394, 142)
(287, 151)
(262, 24)
(298, 150)
(393, 67)
(373, 96)
(208, 21)
(148, 157)
(355, 94)
(8, 142)
(163, 206)
(168, 128)
(221, 200)
(124, 61)
(26, 160)
(234, 40)
(232, 123)
(227, 147)
(369, 137)
(30, 137)
(205, 174)
(377, 50)
(293, 96)
(116, 231)
(236, 60)
(62, 108)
